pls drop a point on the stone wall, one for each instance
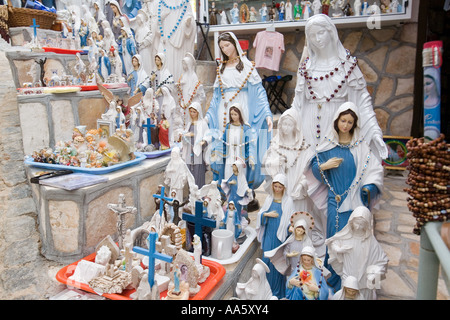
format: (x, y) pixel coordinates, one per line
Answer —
(386, 57)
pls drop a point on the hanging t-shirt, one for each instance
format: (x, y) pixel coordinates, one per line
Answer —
(269, 47)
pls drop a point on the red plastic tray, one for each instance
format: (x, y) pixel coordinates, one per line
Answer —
(216, 269)
(61, 51)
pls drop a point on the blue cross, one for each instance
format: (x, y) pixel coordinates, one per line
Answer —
(35, 26)
(152, 254)
(148, 126)
(199, 220)
(162, 197)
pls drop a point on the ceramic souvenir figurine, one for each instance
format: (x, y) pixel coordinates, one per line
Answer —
(83, 33)
(177, 32)
(144, 39)
(307, 12)
(345, 150)
(244, 13)
(257, 287)
(138, 80)
(281, 11)
(194, 142)
(263, 12)
(297, 10)
(349, 291)
(114, 18)
(272, 228)
(127, 49)
(236, 188)
(321, 90)
(288, 154)
(365, 7)
(223, 17)
(177, 174)
(116, 63)
(253, 14)
(234, 12)
(354, 251)
(240, 83)
(289, 10)
(104, 65)
(308, 281)
(161, 77)
(286, 257)
(326, 6)
(212, 14)
(189, 88)
(237, 142)
(316, 6)
(357, 7)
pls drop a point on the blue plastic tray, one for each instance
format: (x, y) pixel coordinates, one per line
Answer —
(139, 158)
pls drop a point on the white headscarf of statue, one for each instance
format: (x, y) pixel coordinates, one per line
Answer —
(287, 207)
(248, 65)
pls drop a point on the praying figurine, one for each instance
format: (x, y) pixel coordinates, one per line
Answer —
(257, 287)
(307, 282)
(354, 251)
(281, 11)
(297, 10)
(253, 14)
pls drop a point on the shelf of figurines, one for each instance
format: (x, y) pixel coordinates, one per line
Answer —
(253, 16)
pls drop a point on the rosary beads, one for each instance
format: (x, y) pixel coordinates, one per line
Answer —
(428, 178)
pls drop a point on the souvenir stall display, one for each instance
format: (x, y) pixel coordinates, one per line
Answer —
(319, 170)
(269, 11)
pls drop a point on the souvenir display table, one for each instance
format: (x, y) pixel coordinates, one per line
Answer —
(73, 222)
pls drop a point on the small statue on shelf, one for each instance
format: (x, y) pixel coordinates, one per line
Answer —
(263, 12)
(234, 12)
(213, 14)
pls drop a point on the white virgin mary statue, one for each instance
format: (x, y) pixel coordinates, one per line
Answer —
(239, 82)
(176, 25)
(189, 87)
(328, 77)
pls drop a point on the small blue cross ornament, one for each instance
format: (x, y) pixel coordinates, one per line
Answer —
(152, 255)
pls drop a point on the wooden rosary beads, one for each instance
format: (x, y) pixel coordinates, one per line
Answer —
(429, 173)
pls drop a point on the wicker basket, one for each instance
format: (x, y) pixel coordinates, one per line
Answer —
(23, 17)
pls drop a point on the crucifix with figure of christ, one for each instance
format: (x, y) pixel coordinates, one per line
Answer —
(121, 209)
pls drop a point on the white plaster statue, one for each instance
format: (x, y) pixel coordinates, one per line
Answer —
(103, 256)
(223, 17)
(328, 77)
(168, 107)
(178, 31)
(354, 251)
(257, 287)
(109, 40)
(189, 88)
(177, 174)
(289, 11)
(357, 7)
(161, 77)
(286, 257)
(144, 36)
(349, 291)
(316, 6)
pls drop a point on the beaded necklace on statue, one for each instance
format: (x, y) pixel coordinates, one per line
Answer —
(338, 197)
(168, 80)
(298, 149)
(183, 104)
(309, 78)
(237, 92)
(183, 5)
(307, 274)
